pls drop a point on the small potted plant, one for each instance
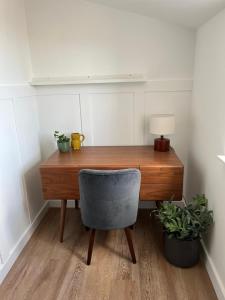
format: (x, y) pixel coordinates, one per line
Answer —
(63, 142)
(183, 227)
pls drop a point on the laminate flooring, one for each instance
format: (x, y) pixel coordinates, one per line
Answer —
(47, 269)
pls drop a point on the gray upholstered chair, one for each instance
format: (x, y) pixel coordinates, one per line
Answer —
(109, 200)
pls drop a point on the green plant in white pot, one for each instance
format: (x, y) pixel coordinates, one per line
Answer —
(63, 142)
(183, 228)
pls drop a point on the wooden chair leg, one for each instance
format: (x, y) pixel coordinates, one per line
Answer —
(90, 247)
(130, 244)
(76, 204)
(62, 219)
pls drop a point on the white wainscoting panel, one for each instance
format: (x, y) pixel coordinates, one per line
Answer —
(114, 114)
(27, 125)
(14, 214)
(22, 207)
(57, 112)
(139, 118)
(108, 118)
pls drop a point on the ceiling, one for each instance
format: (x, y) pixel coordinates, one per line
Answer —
(188, 13)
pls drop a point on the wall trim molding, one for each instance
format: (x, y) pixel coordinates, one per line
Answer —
(169, 85)
(154, 85)
(213, 274)
(71, 204)
(25, 84)
(89, 79)
(23, 240)
(16, 90)
(142, 204)
(151, 85)
(57, 203)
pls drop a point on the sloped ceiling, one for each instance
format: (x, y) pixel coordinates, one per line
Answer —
(188, 13)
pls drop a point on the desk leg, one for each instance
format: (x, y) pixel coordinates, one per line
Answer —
(76, 204)
(62, 219)
(158, 204)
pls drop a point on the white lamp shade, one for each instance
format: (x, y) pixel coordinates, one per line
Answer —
(162, 124)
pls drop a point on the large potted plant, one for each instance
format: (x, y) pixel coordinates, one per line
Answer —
(63, 142)
(183, 228)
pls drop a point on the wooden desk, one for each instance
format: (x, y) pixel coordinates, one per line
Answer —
(161, 172)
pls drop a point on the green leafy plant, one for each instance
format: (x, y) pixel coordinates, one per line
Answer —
(61, 138)
(186, 223)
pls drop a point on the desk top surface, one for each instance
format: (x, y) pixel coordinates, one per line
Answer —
(113, 157)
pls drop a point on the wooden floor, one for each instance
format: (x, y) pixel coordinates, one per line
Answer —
(47, 269)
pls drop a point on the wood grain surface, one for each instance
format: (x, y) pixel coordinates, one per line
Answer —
(49, 270)
(162, 172)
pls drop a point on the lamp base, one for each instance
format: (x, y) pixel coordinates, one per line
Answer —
(162, 144)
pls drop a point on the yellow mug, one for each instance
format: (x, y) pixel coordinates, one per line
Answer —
(76, 140)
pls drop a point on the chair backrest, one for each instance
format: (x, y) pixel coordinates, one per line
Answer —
(109, 199)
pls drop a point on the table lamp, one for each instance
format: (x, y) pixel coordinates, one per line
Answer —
(162, 125)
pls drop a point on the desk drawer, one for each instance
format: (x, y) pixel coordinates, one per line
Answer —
(162, 175)
(161, 192)
(60, 183)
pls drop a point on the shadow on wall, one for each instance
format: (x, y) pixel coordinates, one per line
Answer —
(33, 189)
(195, 178)
(14, 219)
(195, 185)
(48, 145)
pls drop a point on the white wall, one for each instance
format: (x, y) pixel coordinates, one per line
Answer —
(14, 51)
(70, 38)
(80, 38)
(206, 174)
(20, 190)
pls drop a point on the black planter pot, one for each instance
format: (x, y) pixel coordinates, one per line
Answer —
(181, 253)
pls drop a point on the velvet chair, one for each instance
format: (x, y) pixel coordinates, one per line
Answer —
(109, 200)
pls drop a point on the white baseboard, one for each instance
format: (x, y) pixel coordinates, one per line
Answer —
(57, 203)
(15, 252)
(142, 204)
(71, 203)
(213, 274)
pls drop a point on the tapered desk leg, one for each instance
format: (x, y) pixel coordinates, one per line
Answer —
(62, 219)
(158, 204)
(76, 204)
